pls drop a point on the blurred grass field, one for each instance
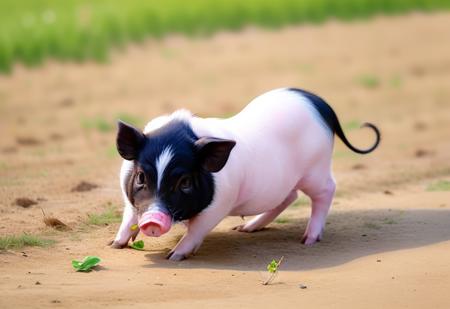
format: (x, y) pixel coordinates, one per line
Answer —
(76, 30)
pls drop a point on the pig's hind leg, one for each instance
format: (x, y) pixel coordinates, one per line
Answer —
(321, 192)
(260, 221)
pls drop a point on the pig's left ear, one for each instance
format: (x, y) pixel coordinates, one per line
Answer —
(214, 152)
(129, 141)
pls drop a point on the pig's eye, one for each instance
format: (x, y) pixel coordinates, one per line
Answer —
(140, 179)
(185, 184)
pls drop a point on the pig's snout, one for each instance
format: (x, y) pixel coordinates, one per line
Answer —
(155, 223)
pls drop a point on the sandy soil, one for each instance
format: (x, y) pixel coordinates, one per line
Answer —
(387, 242)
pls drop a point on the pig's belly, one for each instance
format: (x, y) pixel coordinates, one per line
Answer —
(262, 202)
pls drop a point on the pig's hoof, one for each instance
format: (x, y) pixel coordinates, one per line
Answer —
(172, 256)
(309, 241)
(246, 229)
(117, 245)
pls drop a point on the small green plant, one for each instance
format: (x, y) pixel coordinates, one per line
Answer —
(87, 264)
(24, 240)
(440, 185)
(110, 215)
(369, 81)
(272, 268)
(138, 245)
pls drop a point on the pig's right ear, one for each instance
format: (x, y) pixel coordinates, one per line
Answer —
(214, 152)
(129, 141)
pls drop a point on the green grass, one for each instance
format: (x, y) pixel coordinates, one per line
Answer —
(98, 123)
(302, 201)
(369, 81)
(111, 152)
(440, 185)
(76, 30)
(389, 221)
(352, 125)
(282, 220)
(24, 240)
(106, 125)
(108, 216)
(131, 119)
(396, 81)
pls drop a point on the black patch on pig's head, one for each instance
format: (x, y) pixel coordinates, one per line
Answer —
(173, 169)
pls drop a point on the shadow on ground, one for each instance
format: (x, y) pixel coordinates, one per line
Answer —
(349, 235)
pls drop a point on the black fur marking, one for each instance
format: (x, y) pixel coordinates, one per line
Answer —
(182, 204)
(128, 141)
(214, 152)
(332, 121)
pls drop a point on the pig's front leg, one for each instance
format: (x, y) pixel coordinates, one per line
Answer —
(198, 228)
(125, 233)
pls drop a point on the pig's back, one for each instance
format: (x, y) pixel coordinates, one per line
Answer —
(281, 137)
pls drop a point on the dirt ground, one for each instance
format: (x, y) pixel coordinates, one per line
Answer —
(387, 240)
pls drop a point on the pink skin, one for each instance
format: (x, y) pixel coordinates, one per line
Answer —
(260, 221)
(281, 147)
(155, 223)
(130, 218)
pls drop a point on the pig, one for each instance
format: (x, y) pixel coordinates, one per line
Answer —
(183, 168)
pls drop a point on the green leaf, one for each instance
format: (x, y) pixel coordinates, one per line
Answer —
(272, 266)
(87, 264)
(138, 245)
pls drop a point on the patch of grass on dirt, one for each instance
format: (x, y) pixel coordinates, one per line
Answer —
(31, 31)
(24, 240)
(283, 220)
(396, 81)
(302, 201)
(369, 81)
(108, 216)
(97, 123)
(131, 119)
(440, 185)
(389, 221)
(111, 152)
(352, 125)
